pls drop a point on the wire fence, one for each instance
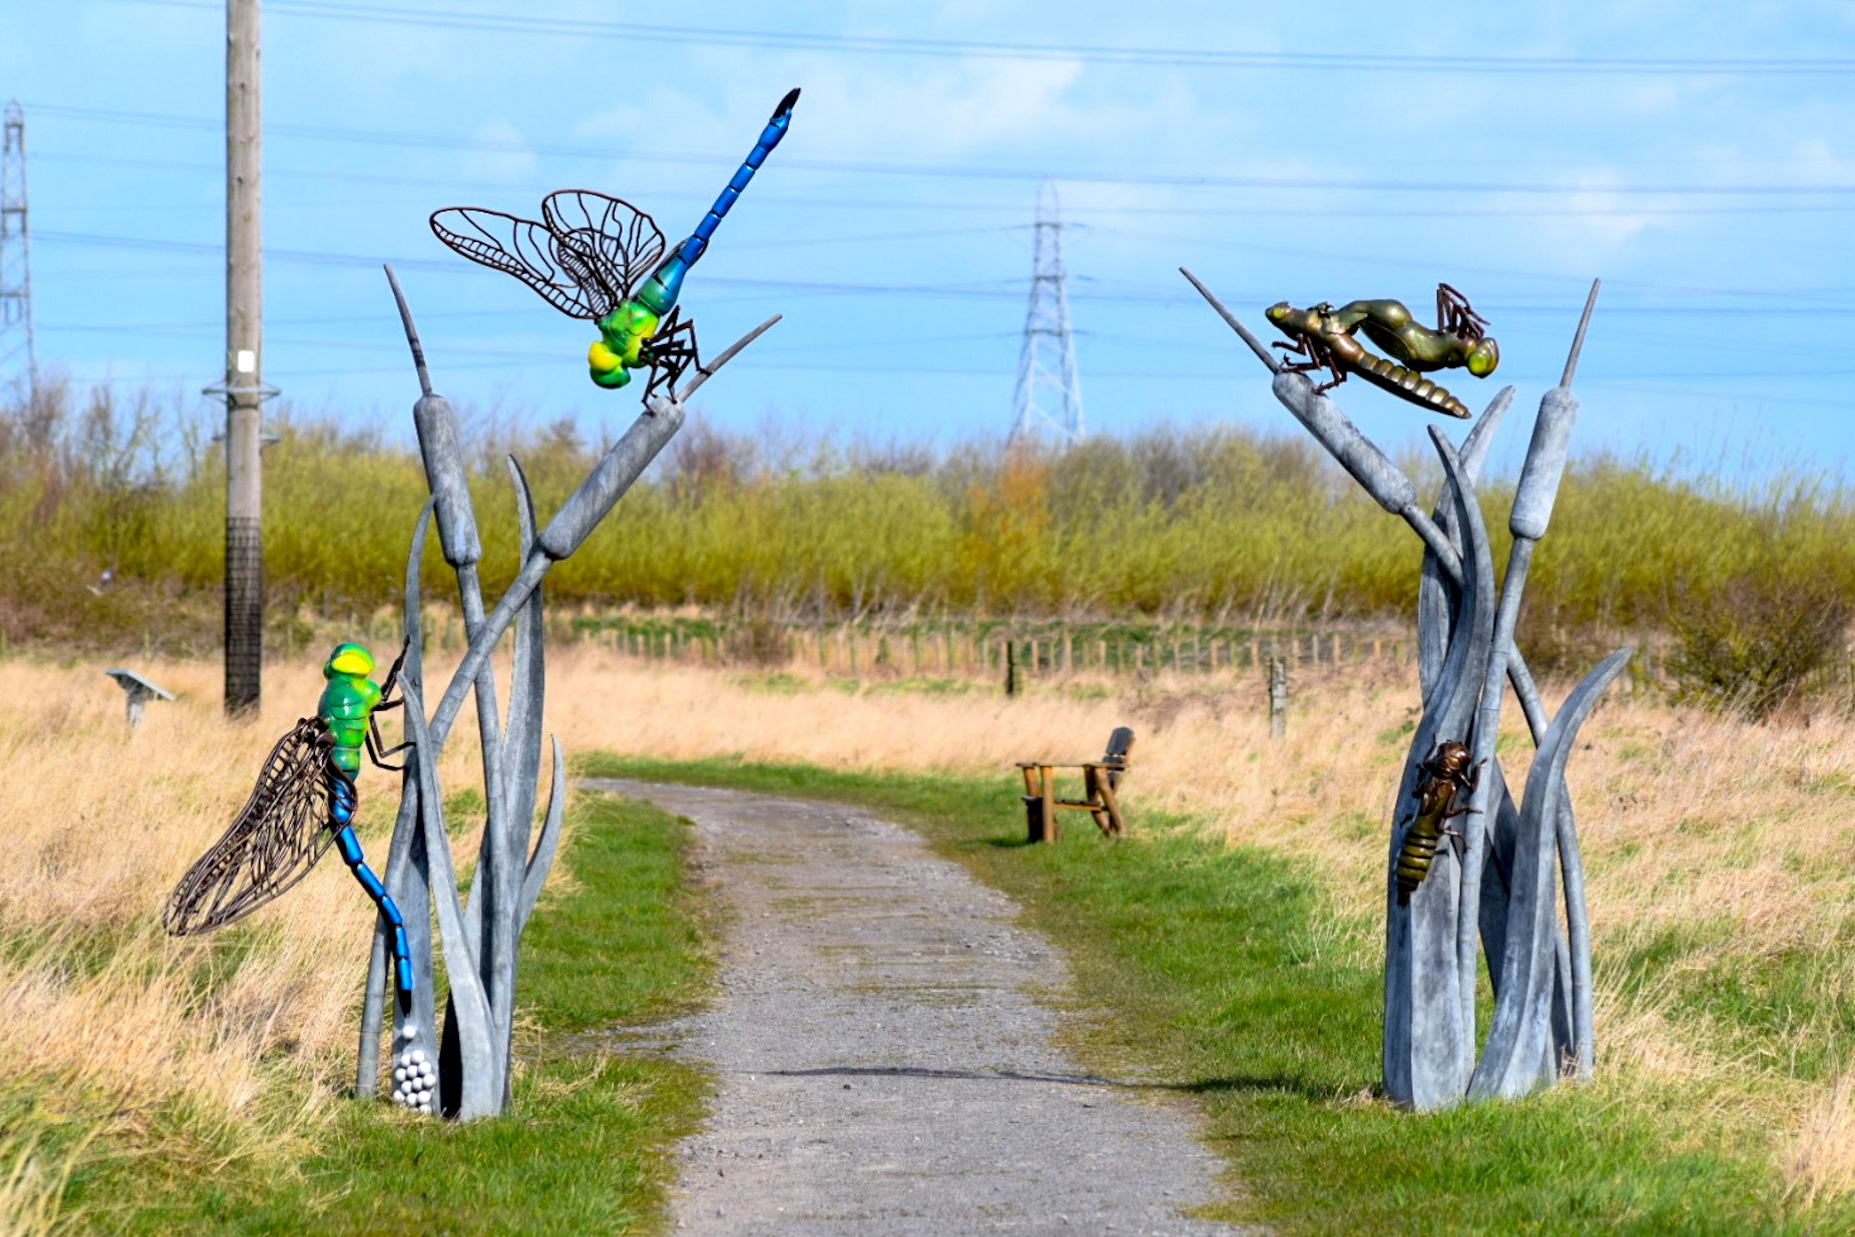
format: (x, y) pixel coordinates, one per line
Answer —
(1013, 655)
(998, 650)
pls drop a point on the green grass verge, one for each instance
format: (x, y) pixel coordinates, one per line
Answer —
(582, 1149)
(1207, 969)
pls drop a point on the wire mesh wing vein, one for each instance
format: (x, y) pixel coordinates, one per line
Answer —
(274, 841)
(570, 273)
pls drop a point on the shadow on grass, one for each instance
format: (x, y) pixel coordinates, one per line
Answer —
(1010, 843)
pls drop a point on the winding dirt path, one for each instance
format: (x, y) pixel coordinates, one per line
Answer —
(885, 1066)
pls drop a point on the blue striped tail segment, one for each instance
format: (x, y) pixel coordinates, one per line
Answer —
(659, 292)
(341, 800)
(350, 848)
(692, 248)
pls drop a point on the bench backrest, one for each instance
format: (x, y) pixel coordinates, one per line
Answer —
(1120, 744)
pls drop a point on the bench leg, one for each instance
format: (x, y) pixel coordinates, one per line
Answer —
(1093, 784)
(1115, 823)
(1050, 833)
(1040, 802)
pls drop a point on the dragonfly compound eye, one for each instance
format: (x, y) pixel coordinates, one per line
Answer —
(607, 367)
(349, 659)
(601, 358)
(1483, 357)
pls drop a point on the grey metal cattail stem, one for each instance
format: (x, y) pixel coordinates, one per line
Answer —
(520, 755)
(1533, 504)
(1531, 513)
(481, 937)
(1475, 831)
(1429, 1053)
(1236, 324)
(479, 1084)
(1518, 1038)
(1484, 905)
(441, 450)
(406, 875)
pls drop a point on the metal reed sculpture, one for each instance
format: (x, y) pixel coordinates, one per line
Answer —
(1465, 862)
(481, 936)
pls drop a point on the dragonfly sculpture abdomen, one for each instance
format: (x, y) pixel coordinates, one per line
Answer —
(588, 256)
(1325, 336)
(304, 803)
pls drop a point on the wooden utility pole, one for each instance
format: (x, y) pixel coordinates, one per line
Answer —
(244, 356)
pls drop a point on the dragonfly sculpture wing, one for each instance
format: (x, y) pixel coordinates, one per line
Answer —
(570, 275)
(276, 838)
(626, 241)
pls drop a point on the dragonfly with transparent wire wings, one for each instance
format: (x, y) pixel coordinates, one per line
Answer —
(600, 258)
(303, 803)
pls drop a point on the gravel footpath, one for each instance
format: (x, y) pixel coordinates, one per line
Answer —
(884, 1065)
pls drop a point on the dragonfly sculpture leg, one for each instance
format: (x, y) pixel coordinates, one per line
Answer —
(341, 815)
(1319, 357)
(672, 351)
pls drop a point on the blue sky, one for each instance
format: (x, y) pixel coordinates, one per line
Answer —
(1704, 169)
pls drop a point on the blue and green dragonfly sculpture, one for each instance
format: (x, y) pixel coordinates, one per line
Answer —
(303, 803)
(588, 256)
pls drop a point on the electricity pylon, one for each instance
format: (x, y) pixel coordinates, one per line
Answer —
(19, 360)
(1048, 397)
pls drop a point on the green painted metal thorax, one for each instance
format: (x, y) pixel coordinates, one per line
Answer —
(1391, 326)
(348, 703)
(623, 332)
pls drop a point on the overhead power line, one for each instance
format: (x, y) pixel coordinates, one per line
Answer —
(1212, 58)
(1297, 210)
(1004, 289)
(1325, 184)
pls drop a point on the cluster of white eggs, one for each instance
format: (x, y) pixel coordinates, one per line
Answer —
(414, 1080)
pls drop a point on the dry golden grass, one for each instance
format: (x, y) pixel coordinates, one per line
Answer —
(1736, 835)
(102, 821)
(1820, 1160)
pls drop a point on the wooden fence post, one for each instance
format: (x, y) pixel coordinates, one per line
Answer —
(1278, 697)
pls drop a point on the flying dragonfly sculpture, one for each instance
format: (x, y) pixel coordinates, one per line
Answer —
(587, 257)
(303, 804)
(1324, 335)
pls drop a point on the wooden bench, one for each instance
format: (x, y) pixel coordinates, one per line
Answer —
(1100, 778)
